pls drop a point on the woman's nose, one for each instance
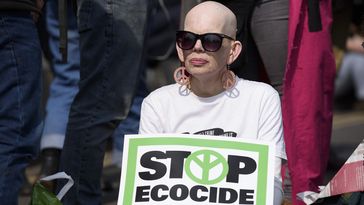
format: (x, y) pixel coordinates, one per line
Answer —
(198, 46)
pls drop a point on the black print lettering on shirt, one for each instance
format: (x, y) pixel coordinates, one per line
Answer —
(215, 132)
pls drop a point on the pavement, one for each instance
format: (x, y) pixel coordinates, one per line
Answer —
(348, 132)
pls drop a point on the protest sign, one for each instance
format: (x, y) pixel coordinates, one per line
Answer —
(195, 169)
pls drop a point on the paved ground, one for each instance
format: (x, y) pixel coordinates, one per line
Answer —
(348, 132)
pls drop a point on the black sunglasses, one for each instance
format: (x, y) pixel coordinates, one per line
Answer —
(210, 41)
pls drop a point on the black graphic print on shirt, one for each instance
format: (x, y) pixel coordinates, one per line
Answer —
(216, 132)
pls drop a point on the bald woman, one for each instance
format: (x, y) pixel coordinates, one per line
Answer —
(207, 97)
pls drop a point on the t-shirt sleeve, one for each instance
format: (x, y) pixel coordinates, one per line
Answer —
(270, 122)
(150, 122)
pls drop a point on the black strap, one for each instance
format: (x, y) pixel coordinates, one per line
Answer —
(74, 7)
(314, 17)
(62, 17)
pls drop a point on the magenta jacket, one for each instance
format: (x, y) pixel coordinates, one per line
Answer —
(308, 97)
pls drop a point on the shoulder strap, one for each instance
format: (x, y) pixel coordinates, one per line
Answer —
(63, 37)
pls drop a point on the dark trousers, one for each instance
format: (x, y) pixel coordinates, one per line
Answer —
(111, 51)
(20, 96)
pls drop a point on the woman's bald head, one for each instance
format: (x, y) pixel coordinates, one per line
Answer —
(211, 17)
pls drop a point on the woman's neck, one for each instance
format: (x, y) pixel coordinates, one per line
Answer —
(206, 87)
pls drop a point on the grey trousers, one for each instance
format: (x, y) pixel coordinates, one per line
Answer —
(269, 28)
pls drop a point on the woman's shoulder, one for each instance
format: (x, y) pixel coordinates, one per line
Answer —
(164, 91)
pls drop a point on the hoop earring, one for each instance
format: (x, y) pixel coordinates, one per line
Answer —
(181, 76)
(228, 79)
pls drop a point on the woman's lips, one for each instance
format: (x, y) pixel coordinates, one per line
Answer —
(198, 61)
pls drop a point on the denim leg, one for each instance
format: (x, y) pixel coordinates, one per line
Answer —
(111, 39)
(20, 95)
(130, 125)
(344, 80)
(64, 85)
(358, 74)
(350, 76)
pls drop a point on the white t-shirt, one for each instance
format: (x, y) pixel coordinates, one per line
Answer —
(250, 110)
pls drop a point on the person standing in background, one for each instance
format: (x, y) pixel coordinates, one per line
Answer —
(111, 53)
(20, 93)
(64, 87)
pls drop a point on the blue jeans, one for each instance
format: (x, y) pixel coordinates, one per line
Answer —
(130, 125)
(64, 85)
(20, 96)
(111, 48)
(350, 76)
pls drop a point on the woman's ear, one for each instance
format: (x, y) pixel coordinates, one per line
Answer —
(235, 50)
(180, 54)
